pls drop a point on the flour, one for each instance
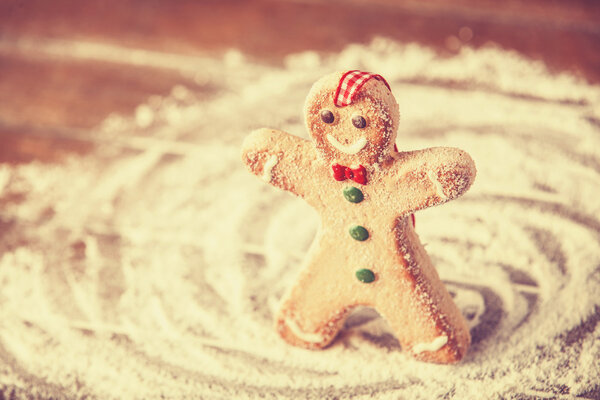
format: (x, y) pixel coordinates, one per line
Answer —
(152, 266)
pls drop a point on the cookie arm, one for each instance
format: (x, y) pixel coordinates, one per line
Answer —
(281, 159)
(429, 177)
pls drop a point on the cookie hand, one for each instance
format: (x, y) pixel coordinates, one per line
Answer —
(279, 158)
(430, 177)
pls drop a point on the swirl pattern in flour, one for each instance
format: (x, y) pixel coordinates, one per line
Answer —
(152, 267)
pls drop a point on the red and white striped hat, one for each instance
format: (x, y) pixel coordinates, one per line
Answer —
(349, 85)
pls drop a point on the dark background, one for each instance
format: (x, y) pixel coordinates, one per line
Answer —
(49, 101)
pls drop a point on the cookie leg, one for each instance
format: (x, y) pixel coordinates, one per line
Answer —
(425, 334)
(315, 308)
(418, 307)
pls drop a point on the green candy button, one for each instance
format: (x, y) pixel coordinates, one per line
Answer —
(365, 275)
(353, 194)
(358, 232)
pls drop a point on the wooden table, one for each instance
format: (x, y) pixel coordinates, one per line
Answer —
(50, 97)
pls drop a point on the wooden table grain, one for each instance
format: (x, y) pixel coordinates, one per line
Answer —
(44, 89)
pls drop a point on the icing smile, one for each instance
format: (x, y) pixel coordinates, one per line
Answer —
(350, 148)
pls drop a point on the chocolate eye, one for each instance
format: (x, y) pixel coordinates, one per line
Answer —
(359, 122)
(327, 116)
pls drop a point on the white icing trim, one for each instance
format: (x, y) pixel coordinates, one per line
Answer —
(434, 345)
(348, 149)
(307, 337)
(267, 175)
(439, 189)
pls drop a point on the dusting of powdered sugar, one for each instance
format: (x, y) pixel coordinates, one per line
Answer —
(151, 267)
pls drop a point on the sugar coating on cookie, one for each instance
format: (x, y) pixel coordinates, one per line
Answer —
(366, 251)
(374, 102)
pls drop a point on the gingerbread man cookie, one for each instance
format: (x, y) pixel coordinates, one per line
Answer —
(366, 251)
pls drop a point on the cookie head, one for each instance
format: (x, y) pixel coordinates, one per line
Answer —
(352, 118)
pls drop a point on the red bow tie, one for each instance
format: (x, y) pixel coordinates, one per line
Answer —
(341, 173)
